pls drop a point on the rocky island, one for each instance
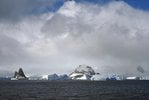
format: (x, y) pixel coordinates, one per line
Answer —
(19, 75)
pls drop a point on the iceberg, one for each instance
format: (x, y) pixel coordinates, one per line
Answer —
(53, 77)
(58, 77)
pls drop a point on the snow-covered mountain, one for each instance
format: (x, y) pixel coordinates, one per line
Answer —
(83, 72)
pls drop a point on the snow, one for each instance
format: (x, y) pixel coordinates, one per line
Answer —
(84, 77)
(35, 77)
(85, 69)
(132, 78)
(64, 77)
(56, 77)
(75, 74)
(105, 77)
(83, 72)
(112, 77)
(53, 77)
(98, 77)
(44, 77)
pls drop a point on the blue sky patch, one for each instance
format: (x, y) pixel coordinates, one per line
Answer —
(138, 4)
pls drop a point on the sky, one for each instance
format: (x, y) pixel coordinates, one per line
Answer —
(56, 36)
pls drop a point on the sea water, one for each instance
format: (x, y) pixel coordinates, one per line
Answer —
(74, 90)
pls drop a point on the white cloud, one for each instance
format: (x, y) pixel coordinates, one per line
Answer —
(70, 9)
(113, 36)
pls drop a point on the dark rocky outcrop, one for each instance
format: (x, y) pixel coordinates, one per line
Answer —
(20, 75)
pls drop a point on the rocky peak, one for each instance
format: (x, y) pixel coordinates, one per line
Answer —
(83, 72)
(20, 74)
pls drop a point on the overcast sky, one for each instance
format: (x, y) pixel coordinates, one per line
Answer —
(45, 37)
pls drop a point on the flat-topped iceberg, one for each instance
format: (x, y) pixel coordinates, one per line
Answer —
(58, 77)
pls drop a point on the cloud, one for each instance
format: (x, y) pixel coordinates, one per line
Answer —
(112, 37)
(17, 9)
(115, 31)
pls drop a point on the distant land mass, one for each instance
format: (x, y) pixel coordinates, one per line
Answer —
(82, 72)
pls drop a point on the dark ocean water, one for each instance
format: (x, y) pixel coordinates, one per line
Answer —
(74, 90)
